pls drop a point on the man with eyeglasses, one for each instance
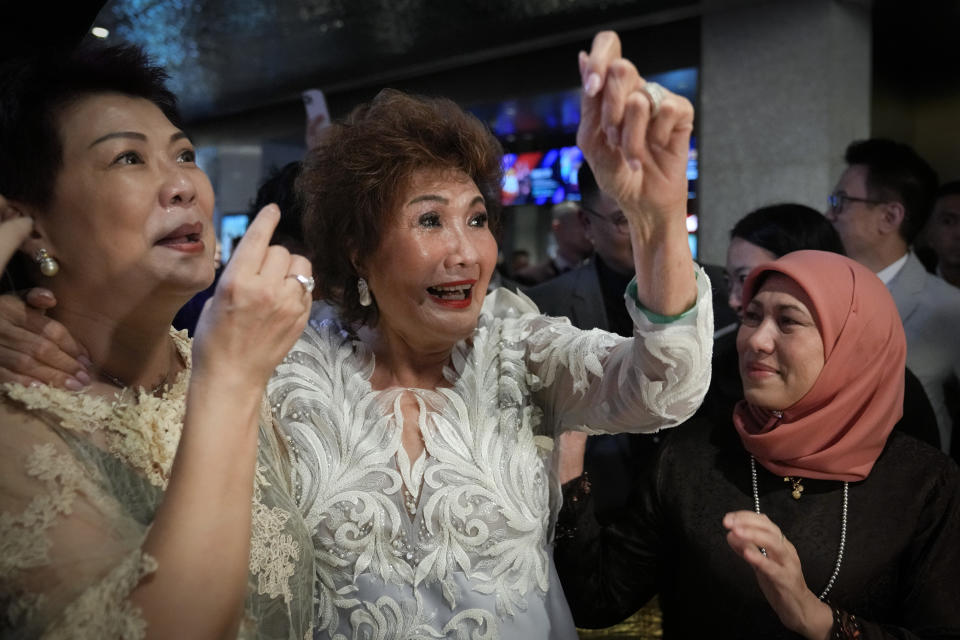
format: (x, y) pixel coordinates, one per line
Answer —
(591, 296)
(879, 206)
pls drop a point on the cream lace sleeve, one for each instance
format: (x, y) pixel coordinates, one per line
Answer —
(599, 382)
(69, 552)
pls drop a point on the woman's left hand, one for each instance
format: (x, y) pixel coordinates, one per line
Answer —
(779, 573)
(638, 153)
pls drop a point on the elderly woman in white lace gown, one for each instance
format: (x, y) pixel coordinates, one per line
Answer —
(137, 503)
(422, 420)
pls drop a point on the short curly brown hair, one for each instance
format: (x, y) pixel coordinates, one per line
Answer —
(351, 183)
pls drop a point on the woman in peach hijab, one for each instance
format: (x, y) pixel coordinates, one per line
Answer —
(808, 517)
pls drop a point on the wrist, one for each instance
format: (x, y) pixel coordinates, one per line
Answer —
(818, 622)
(231, 382)
(655, 224)
(844, 625)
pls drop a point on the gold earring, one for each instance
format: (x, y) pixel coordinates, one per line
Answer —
(48, 264)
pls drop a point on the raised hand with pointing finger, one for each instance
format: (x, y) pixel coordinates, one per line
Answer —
(260, 307)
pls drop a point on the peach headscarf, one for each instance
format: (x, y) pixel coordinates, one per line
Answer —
(838, 429)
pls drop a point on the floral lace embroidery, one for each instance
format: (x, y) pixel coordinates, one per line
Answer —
(273, 551)
(22, 541)
(144, 434)
(387, 619)
(576, 352)
(104, 610)
(480, 534)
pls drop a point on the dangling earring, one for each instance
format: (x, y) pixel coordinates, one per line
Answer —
(48, 265)
(364, 290)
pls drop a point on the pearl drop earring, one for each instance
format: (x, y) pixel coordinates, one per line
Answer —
(48, 264)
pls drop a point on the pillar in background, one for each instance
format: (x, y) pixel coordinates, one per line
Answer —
(785, 86)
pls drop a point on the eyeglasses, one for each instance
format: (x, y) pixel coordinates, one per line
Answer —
(618, 220)
(837, 201)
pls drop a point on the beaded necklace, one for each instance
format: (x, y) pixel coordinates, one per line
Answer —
(843, 527)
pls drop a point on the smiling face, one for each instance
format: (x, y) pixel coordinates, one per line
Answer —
(780, 347)
(742, 257)
(131, 213)
(430, 273)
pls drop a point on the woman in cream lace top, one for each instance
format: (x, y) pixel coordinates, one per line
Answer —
(422, 420)
(141, 506)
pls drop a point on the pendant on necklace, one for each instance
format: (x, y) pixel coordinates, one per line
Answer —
(797, 487)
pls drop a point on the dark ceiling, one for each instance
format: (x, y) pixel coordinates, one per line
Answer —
(226, 56)
(232, 56)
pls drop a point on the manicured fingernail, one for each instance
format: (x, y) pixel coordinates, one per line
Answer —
(82, 377)
(593, 85)
(73, 384)
(85, 361)
(635, 164)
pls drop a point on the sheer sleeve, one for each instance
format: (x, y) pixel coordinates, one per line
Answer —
(70, 552)
(280, 596)
(599, 382)
(74, 515)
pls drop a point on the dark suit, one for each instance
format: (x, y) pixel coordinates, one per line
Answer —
(577, 295)
(535, 274)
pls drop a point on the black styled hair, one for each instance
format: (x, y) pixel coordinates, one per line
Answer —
(784, 228)
(587, 183)
(951, 188)
(896, 172)
(34, 91)
(280, 188)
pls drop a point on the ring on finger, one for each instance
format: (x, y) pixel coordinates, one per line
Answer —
(655, 93)
(307, 282)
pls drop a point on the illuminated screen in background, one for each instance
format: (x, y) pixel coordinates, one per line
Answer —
(549, 175)
(232, 228)
(541, 177)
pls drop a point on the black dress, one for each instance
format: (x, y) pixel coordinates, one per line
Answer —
(900, 573)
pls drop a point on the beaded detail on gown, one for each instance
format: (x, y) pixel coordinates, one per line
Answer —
(474, 560)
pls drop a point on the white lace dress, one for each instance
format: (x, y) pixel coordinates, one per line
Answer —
(457, 544)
